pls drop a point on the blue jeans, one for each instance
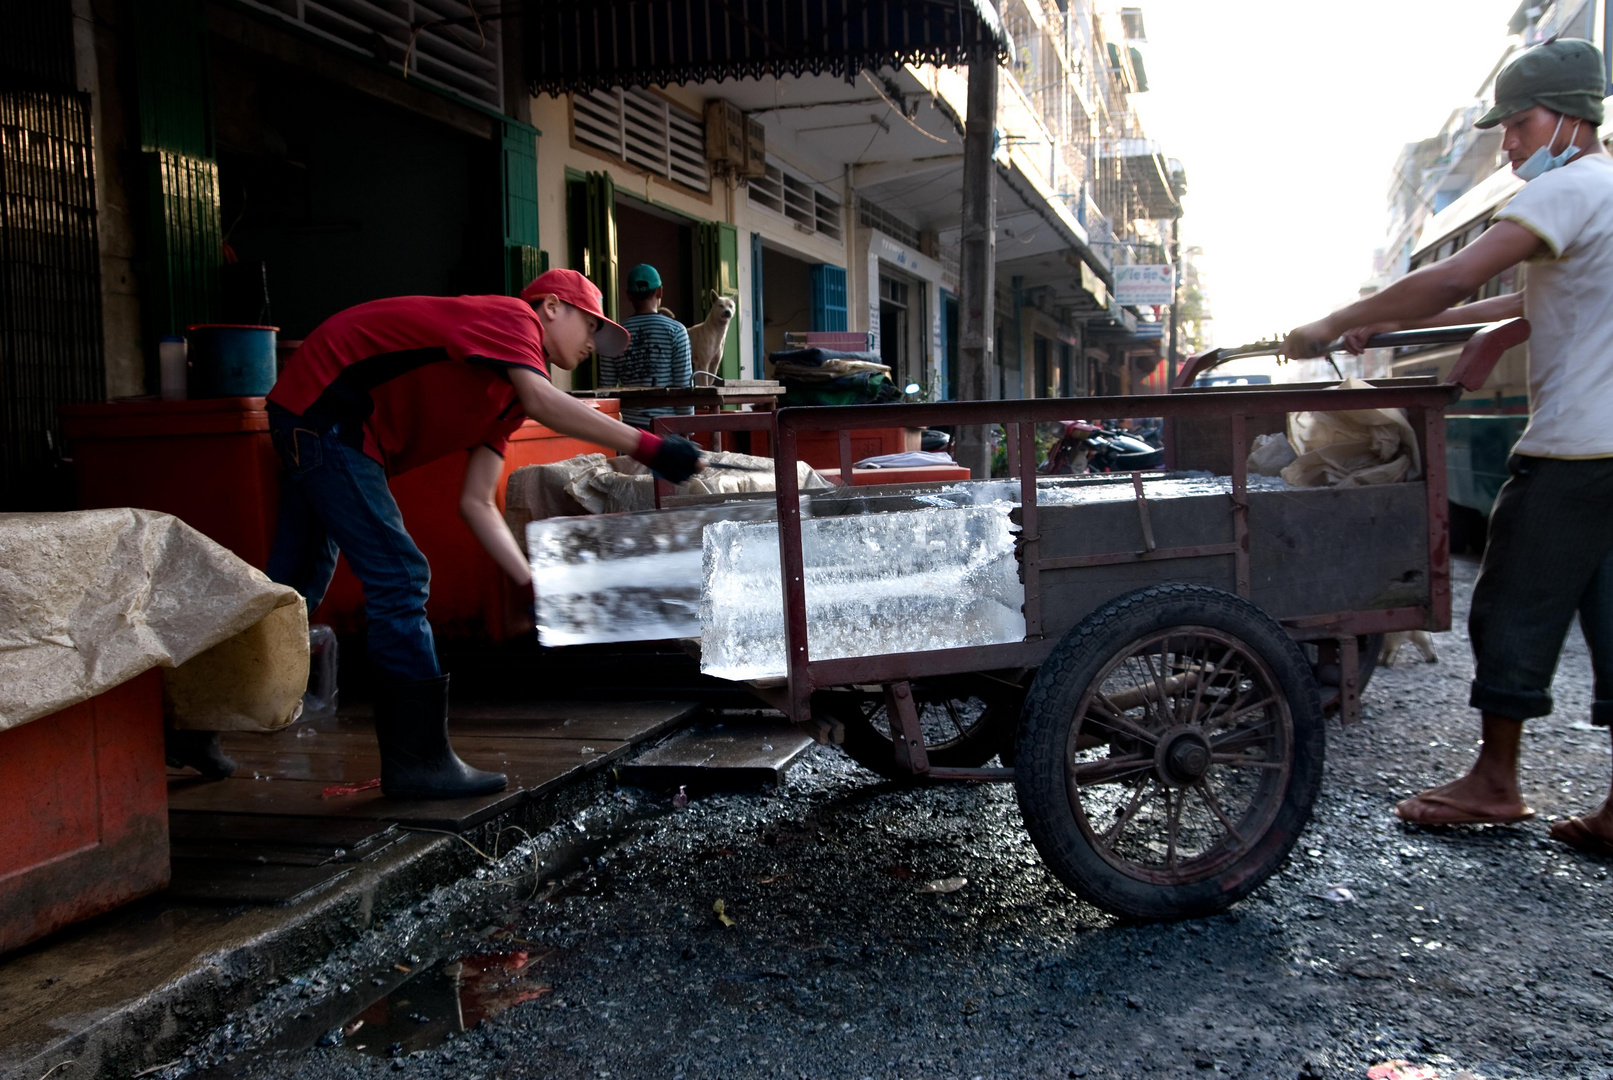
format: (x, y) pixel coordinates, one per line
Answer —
(333, 496)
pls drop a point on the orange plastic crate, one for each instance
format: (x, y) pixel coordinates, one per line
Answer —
(84, 799)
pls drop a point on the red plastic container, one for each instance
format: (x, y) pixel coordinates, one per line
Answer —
(207, 462)
(84, 798)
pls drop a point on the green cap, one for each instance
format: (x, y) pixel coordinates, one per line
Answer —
(643, 279)
(1566, 76)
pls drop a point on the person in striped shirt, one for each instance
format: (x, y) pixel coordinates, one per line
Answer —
(659, 353)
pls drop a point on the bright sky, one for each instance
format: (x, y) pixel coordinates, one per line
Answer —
(1288, 115)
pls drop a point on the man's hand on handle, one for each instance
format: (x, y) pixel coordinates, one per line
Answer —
(1310, 341)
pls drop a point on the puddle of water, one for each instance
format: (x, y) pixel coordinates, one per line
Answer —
(416, 1010)
(445, 1000)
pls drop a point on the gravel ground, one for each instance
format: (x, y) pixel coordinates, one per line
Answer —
(1486, 950)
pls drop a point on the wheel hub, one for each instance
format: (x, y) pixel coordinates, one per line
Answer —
(1182, 756)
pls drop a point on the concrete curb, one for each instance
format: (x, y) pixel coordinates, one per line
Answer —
(227, 988)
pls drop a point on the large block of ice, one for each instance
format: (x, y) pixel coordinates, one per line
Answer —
(907, 581)
(623, 577)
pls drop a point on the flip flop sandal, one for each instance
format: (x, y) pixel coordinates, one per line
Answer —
(1464, 815)
(1577, 835)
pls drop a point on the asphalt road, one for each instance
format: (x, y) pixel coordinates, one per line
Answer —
(1488, 950)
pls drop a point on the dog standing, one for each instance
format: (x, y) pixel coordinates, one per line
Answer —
(706, 338)
(1420, 638)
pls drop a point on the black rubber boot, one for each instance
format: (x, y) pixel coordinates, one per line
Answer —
(411, 725)
(199, 750)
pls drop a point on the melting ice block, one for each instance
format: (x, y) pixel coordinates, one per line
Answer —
(909, 581)
(623, 577)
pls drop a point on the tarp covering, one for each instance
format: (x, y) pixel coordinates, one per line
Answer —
(580, 45)
(90, 599)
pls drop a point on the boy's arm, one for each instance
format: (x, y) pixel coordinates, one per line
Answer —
(479, 507)
(560, 411)
(674, 459)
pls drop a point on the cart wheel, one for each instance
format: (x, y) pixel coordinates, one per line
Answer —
(1169, 752)
(962, 729)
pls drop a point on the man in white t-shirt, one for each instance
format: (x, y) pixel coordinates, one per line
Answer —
(1550, 549)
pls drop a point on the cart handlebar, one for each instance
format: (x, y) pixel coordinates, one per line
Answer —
(1486, 342)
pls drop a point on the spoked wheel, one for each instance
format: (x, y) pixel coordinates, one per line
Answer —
(965, 724)
(1169, 753)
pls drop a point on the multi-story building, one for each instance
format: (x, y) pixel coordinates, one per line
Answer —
(274, 161)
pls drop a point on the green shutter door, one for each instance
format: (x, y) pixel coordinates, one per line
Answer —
(717, 271)
(522, 260)
(184, 237)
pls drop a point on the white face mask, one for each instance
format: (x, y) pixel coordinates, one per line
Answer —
(1542, 161)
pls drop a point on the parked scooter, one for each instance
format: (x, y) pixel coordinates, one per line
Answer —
(1096, 448)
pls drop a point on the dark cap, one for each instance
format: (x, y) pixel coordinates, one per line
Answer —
(643, 278)
(1566, 76)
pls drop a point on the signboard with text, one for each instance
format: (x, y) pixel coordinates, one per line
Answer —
(1140, 285)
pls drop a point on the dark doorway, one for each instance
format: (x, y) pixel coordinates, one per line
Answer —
(953, 390)
(1046, 378)
(646, 234)
(343, 199)
(786, 297)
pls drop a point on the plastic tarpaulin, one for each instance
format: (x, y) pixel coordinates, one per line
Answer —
(90, 599)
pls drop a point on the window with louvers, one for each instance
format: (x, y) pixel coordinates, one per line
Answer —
(443, 42)
(811, 208)
(645, 131)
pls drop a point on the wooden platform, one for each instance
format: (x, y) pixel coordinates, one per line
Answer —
(289, 821)
(720, 757)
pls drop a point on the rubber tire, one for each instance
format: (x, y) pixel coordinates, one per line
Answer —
(1044, 732)
(873, 750)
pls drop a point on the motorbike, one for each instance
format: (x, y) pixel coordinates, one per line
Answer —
(1100, 448)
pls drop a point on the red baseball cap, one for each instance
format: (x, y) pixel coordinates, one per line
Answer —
(582, 294)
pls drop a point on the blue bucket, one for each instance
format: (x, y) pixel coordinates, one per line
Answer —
(231, 361)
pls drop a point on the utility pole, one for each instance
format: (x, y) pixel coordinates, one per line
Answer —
(978, 259)
(1176, 293)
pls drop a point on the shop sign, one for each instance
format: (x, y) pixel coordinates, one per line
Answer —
(1144, 285)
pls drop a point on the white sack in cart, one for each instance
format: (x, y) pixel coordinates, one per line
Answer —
(1352, 449)
(1270, 455)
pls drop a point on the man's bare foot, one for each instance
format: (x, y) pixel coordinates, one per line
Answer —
(1592, 833)
(1468, 801)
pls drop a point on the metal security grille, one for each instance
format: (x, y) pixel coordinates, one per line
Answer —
(50, 286)
(646, 131)
(449, 43)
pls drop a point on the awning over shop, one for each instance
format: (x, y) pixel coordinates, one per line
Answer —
(579, 45)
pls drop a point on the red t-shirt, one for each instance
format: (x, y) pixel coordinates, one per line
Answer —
(423, 375)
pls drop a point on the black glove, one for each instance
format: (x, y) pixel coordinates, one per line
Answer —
(672, 457)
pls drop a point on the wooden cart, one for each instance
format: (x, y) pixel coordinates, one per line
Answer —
(1163, 718)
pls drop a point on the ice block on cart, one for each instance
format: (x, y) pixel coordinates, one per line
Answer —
(908, 581)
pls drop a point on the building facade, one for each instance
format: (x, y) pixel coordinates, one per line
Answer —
(271, 162)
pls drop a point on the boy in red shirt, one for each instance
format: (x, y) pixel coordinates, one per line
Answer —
(393, 384)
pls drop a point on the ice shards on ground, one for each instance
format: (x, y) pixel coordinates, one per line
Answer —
(623, 577)
(909, 581)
